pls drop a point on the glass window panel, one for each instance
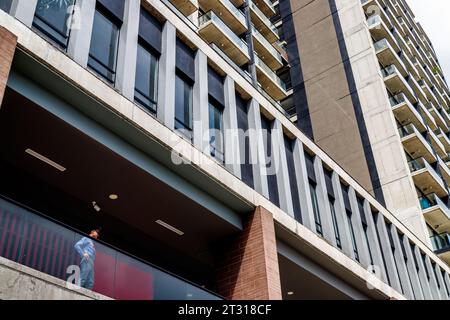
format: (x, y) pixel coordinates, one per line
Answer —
(104, 45)
(315, 204)
(183, 107)
(53, 19)
(146, 79)
(216, 132)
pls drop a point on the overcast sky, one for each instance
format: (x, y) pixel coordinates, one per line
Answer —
(434, 16)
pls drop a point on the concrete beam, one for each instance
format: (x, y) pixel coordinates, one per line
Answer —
(440, 280)
(127, 53)
(7, 49)
(433, 281)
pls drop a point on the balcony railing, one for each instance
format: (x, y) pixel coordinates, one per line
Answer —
(441, 242)
(41, 243)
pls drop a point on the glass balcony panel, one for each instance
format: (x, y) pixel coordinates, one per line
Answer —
(36, 241)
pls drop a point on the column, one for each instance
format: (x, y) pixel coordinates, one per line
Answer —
(387, 252)
(301, 175)
(248, 268)
(23, 10)
(440, 280)
(324, 206)
(341, 217)
(361, 243)
(401, 265)
(257, 153)
(201, 103)
(231, 129)
(428, 295)
(166, 76)
(373, 241)
(81, 32)
(281, 168)
(127, 53)
(433, 281)
(412, 270)
(7, 48)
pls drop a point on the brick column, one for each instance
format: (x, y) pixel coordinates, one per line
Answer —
(8, 42)
(249, 268)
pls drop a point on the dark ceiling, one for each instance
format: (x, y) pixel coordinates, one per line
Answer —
(93, 173)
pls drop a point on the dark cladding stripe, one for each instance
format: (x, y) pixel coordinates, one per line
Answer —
(357, 105)
(300, 99)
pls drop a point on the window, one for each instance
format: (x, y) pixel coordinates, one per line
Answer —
(352, 235)
(53, 19)
(104, 46)
(315, 204)
(5, 5)
(183, 107)
(335, 225)
(216, 131)
(146, 89)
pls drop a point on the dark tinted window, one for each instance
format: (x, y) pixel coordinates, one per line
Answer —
(183, 106)
(216, 131)
(146, 78)
(53, 19)
(104, 45)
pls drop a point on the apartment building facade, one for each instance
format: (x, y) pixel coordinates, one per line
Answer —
(371, 93)
(165, 123)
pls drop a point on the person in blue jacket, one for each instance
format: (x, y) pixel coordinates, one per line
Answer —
(86, 249)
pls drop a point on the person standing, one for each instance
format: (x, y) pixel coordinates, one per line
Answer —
(86, 249)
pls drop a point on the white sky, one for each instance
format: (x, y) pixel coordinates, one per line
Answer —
(434, 16)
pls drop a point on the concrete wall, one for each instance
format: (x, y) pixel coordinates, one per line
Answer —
(348, 105)
(18, 282)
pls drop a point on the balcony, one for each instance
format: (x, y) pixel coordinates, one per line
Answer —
(214, 30)
(441, 246)
(445, 171)
(31, 239)
(186, 7)
(266, 51)
(427, 90)
(426, 114)
(436, 212)
(379, 30)
(396, 83)
(437, 144)
(406, 113)
(387, 56)
(443, 137)
(269, 81)
(440, 121)
(415, 143)
(263, 24)
(228, 13)
(426, 178)
(266, 7)
(420, 94)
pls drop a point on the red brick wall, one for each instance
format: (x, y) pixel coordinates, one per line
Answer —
(8, 42)
(249, 266)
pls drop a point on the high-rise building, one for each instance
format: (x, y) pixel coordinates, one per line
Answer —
(227, 149)
(370, 92)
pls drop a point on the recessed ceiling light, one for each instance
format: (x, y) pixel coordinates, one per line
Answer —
(169, 227)
(39, 156)
(113, 196)
(290, 293)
